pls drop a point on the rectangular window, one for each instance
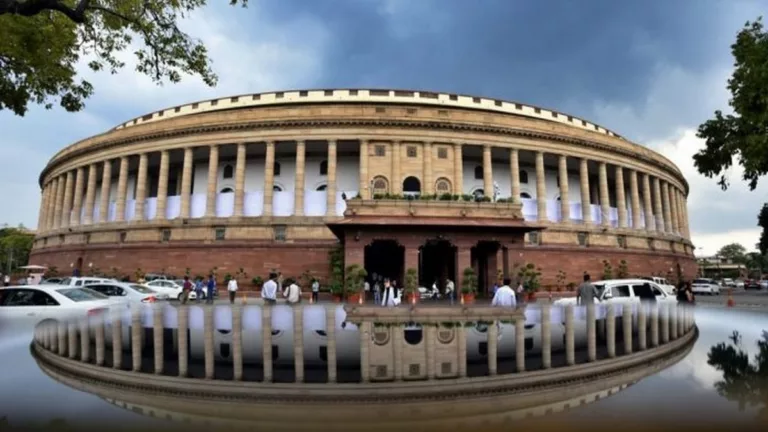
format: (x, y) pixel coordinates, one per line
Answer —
(497, 103)
(61, 239)
(412, 152)
(518, 106)
(442, 153)
(123, 236)
(166, 235)
(255, 97)
(537, 110)
(622, 241)
(279, 95)
(381, 109)
(442, 113)
(303, 93)
(651, 244)
(279, 232)
(214, 102)
(177, 109)
(533, 238)
(234, 99)
(220, 234)
(453, 97)
(582, 238)
(194, 106)
(328, 93)
(411, 110)
(353, 92)
(87, 238)
(380, 150)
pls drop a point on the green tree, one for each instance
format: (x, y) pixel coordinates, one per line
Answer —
(744, 134)
(15, 246)
(762, 222)
(743, 382)
(41, 42)
(734, 252)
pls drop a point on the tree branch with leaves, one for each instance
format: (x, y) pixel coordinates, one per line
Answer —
(43, 41)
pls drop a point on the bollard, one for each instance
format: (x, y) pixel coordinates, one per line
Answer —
(72, 335)
(730, 298)
(208, 329)
(591, 333)
(655, 325)
(62, 326)
(266, 337)
(158, 327)
(546, 336)
(330, 331)
(136, 330)
(99, 336)
(610, 330)
(298, 343)
(626, 321)
(642, 327)
(520, 344)
(493, 344)
(85, 341)
(182, 336)
(237, 343)
(117, 341)
(570, 346)
(365, 342)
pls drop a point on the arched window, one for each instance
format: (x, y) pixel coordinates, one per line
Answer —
(380, 185)
(523, 177)
(479, 172)
(443, 186)
(321, 188)
(229, 172)
(324, 168)
(227, 190)
(277, 188)
(525, 195)
(277, 169)
(478, 193)
(411, 185)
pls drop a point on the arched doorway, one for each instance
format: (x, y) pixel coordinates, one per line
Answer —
(484, 261)
(411, 186)
(385, 259)
(437, 263)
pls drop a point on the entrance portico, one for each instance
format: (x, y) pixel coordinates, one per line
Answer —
(438, 239)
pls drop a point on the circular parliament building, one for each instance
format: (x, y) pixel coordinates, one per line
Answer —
(436, 182)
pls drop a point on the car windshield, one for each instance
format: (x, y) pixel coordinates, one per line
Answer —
(81, 294)
(600, 289)
(142, 289)
(702, 281)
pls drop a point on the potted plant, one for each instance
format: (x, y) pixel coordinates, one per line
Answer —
(530, 275)
(257, 282)
(354, 276)
(411, 285)
(560, 280)
(469, 286)
(336, 282)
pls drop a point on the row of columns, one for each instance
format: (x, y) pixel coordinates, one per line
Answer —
(62, 196)
(72, 339)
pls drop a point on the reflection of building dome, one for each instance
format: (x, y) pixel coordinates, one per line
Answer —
(261, 175)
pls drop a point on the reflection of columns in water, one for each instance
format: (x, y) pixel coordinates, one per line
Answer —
(117, 341)
(266, 344)
(493, 342)
(157, 333)
(520, 344)
(570, 354)
(237, 342)
(330, 332)
(208, 342)
(136, 330)
(298, 342)
(183, 341)
(642, 327)
(546, 336)
(626, 321)
(610, 330)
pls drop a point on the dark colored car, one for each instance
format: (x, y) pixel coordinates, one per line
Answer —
(752, 284)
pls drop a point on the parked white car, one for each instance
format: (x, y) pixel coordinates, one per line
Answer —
(728, 282)
(663, 283)
(625, 290)
(739, 283)
(27, 305)
(705, 286)
(83, 281)
(168, 287)
(132, 292)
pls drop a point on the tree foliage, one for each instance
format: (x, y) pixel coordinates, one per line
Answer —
(733, 252)
(43, 41)
(762, 222)
(743, 134)
(15, 245)
(743, 382)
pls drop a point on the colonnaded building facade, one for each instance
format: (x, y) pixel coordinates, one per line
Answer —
(399, 179)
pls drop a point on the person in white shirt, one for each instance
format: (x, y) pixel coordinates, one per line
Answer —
(390, 295)
(505, 296)
(232, 289)
(269, 290)
(292, 293)
(449, 287)
(315, 290)
(7, 280)
(366, 290)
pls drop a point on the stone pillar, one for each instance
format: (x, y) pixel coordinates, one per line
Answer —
(58, 203)
(208, 329)
(186, 184)
(514, 174)
(158, 327)
(591, 333)
(213, 181)
(658, 211)
(237, 342)
(269, 178)
(66, 208)
(141, 188)
(365, 347)
(647, 203)
(654, 311)
(364, 178)
(461, 341)
(72, 339)
(136, 330)
(546, 335)
(665, 204)
(90, 195)
(240, 180)
(642, 328)
(298, 342)
(106, 186)
(428, 185)
(570, 345)
(430, 332)
(183, 340)
(122, 190)
(100, 340)
(626, 322)
(77, 199)
(117, 341)
(664, 311)
(463, 261)
(541, 188)
(634, 192)
(397, 181)
(487, 171)
(672, 208)
(520, 344)
(330, 189)
(672, 321)
(298, 185)
(605, 203)
(493, 347)
(62, 338)
(621, 201)
(458, 170)
(266, 344)
(53, 207)
(85, 341)
(610, 330)
(48, 193)
(162, 186)
(397, 345)
(330, 332)
(684, 209)
(565, 203)
(586, 208)
(43, 207)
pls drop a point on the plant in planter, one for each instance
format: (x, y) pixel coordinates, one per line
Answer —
(227, 277)
(531, 277)
(607, 270)
(257, 282)
(336, 283)
(411, 285)
(623, 271)
(139, 274)
(354, 276)
(571, 286)
(560, 280)
(468, 285)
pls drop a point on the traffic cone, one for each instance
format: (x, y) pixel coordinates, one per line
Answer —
(730, 297)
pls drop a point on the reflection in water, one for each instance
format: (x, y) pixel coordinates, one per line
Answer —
(743, 382)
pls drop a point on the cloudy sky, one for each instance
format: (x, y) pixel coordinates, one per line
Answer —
(652, 70)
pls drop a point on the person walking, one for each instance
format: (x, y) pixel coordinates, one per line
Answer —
(376, 291)
(685, 293)
(505, 296)
(185, 289)
(315, 290)
(269, 290)
(292, 292)
(232, 290)
(390, 294)
(587, 292)
(198, 289)
(211, 285)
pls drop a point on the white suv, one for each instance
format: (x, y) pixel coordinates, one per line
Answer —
(82, 281)
(624, 291)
